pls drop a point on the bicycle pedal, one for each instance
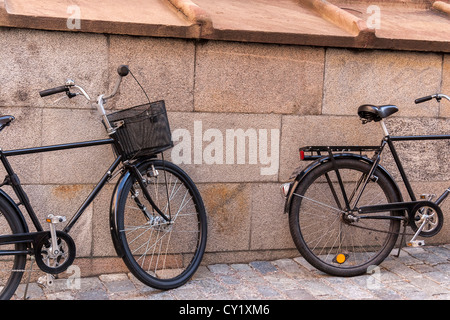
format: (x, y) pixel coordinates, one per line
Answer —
(416, 243)
(55, 219)
(45, 281)
(427, 196)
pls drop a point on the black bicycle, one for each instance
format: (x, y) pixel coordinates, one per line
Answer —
(157, 216)
(346, 211)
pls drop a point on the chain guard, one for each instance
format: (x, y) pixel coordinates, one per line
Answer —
(414, 210)
(58, 263)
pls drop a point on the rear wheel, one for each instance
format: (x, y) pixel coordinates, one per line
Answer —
(332, 238)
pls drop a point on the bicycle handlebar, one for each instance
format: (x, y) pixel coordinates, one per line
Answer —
(423, 99)
(51, 91)
(437, 96)
(122, 70)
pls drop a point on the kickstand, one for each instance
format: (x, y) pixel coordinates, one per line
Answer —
(402, 241)
(29, 277)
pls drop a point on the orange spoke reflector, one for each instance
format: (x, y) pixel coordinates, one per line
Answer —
(340, 258)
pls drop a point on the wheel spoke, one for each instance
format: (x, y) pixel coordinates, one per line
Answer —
(335, 240)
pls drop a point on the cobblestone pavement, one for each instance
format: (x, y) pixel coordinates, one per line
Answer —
(419, 273)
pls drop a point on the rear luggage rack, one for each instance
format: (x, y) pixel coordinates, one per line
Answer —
(315, 151)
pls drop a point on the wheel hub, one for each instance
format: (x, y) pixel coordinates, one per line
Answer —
(349, 217)
(158, 223)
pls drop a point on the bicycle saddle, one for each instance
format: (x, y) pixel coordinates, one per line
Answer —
(5, 121)
(370, 112)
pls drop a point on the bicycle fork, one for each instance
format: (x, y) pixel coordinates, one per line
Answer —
(142, 183)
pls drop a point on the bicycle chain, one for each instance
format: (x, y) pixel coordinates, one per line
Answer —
(382, 231)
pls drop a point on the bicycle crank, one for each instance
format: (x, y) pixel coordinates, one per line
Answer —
(55, 251)
(426, 220)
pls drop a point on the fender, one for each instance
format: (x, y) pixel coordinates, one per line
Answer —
(8, 199)
(116, 195)
(299, 177)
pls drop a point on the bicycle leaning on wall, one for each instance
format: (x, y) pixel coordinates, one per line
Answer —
(346, 210)
(157, 216)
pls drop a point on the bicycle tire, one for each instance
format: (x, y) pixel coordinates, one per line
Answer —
(182, 243)
(325, 236)
(11, 267)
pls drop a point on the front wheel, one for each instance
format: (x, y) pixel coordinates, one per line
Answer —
(328, 235)
(162, 254)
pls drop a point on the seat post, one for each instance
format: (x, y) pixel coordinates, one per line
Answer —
(383, 126)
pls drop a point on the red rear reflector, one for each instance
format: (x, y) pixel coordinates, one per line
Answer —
(302, 155)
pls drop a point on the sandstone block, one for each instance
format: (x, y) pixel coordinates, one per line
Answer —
(228, 208)
(164, 67)
(234, 77)
(226, 148)
(269, 225)
(82, 165)
(32, 60)
(376, 77)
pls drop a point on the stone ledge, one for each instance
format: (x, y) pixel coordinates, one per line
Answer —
(442, 6)
(49, 16)
(415, 25)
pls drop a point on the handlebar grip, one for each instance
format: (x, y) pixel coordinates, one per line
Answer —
(51, 91)
(423, 99)
(123, 70)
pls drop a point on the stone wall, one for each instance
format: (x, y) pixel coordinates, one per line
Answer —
(283, 96)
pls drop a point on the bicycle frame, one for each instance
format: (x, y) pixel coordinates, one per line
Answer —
(412, 206)
(390, 141)
(13, 180)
